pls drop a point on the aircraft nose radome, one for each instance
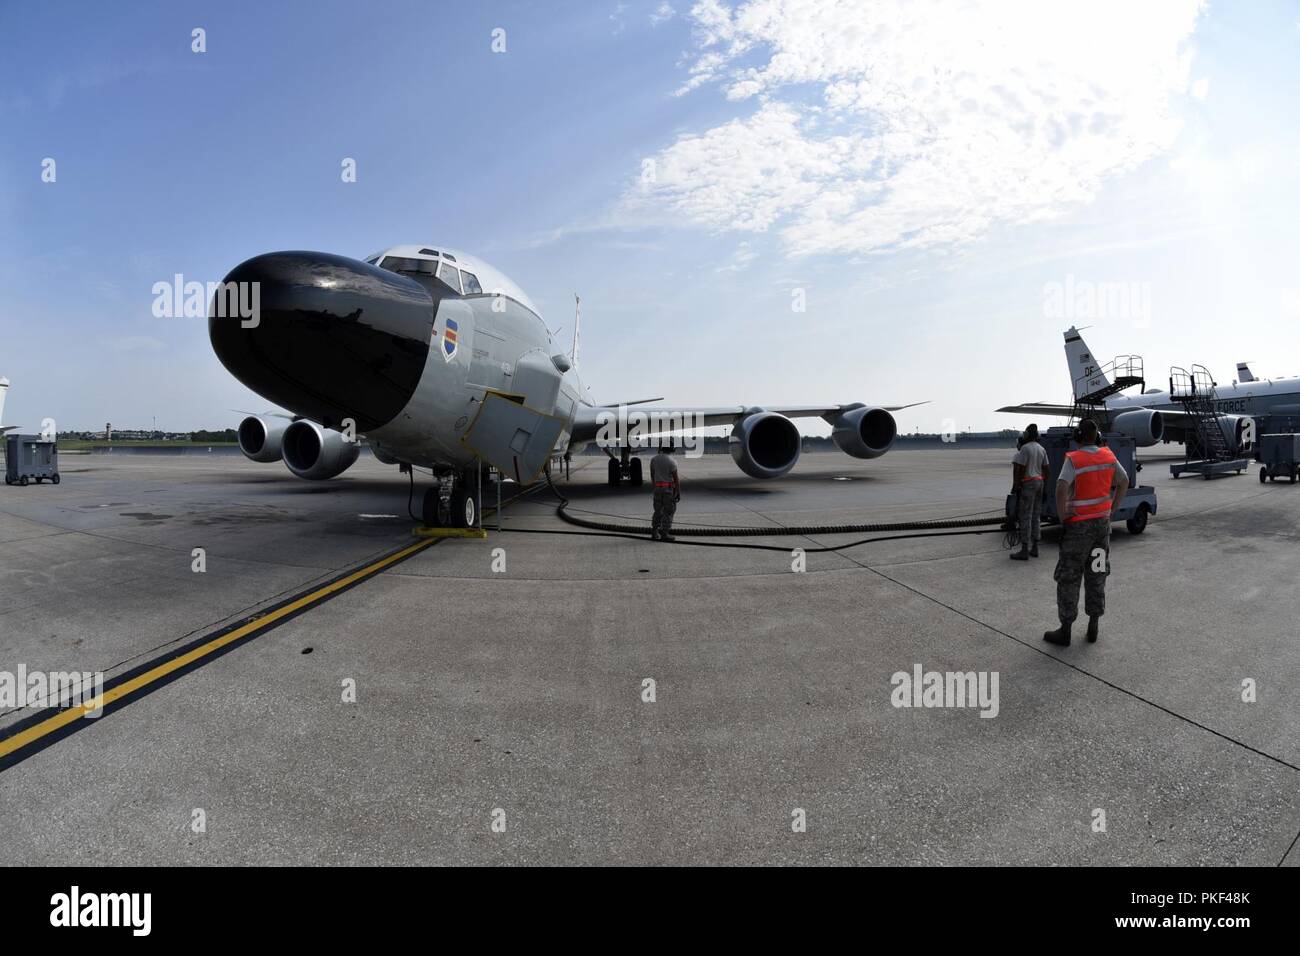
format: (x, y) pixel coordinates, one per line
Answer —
(332, 338)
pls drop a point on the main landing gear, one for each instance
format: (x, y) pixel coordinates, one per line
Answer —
(624, 468)
(454, 502)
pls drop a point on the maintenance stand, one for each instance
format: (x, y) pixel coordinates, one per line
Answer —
(1210, 454)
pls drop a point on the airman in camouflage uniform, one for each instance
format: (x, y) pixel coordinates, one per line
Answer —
(1090, 485)
(1029, 473)
(667, 492)
(1085, 556)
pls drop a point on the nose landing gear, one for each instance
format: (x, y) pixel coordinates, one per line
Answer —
(454, 502)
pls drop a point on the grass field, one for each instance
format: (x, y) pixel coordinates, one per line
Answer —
(77, 444)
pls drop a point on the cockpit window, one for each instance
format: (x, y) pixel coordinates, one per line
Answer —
(401, 264)
(428, 252)
(471, 283)
(450, 275)
(373, 260)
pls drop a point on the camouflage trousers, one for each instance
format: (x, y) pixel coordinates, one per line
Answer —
(1029, 509)
(1085, 556)
(665, 508)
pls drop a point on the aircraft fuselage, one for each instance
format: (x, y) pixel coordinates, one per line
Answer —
(402, 357)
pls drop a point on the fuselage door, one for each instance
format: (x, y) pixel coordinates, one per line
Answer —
(512, 437)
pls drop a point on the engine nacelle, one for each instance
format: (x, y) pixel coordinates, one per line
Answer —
(1145, 426)
(317, 453)
(1233, 427)
(260, 437)
(864, 432)
(765, 444)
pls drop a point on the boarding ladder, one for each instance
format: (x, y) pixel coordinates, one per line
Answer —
(1213, 454)
(1194, 390)
(1124, 371)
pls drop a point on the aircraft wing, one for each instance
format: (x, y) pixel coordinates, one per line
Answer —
(1039, 408)
(1177, 424)
(588, 419)
(1172, 417)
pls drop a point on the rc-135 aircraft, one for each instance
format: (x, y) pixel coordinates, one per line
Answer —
(441, 361)
(1154, 416)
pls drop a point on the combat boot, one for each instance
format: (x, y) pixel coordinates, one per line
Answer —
(1021, 555)
(1093, 627)
(1060, 637)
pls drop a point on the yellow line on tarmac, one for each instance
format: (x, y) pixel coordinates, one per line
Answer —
(65, 717)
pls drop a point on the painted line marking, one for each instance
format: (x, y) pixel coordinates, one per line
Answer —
(35, 733)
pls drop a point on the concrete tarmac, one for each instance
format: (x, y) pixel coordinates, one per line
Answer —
(518, 697)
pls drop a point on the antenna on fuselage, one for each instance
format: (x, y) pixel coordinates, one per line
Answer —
(577, 328)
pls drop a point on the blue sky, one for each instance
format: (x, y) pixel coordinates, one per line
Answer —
(686, 168)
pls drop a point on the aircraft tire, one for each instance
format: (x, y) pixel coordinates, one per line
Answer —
(637, 478)
(614, 475)
(464, 506)
(432, 510)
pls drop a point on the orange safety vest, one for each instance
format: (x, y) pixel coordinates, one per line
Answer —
(1093, 473)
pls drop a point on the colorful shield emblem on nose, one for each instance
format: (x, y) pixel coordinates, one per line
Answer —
(449, 340)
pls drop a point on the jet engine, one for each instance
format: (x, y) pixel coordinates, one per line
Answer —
(317, 453)
(1233, 427)
(1145, 426)
(864, 432)
(765, 444)
(260, 437)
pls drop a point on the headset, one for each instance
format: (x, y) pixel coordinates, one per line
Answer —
(1077, 434)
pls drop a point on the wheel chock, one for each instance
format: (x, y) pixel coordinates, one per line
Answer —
(422, 531)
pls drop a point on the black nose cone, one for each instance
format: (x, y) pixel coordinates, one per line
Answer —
(329, 338)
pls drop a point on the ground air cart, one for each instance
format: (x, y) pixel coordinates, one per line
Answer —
(1279, 457)
(1139, 503)
(29, 457)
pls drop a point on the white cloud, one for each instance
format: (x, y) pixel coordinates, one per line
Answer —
(616, 18)
(932, 121)
(662, 14)
(740, 259)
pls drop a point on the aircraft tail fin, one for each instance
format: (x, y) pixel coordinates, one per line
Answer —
(1244, 374)
(1085, 371)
